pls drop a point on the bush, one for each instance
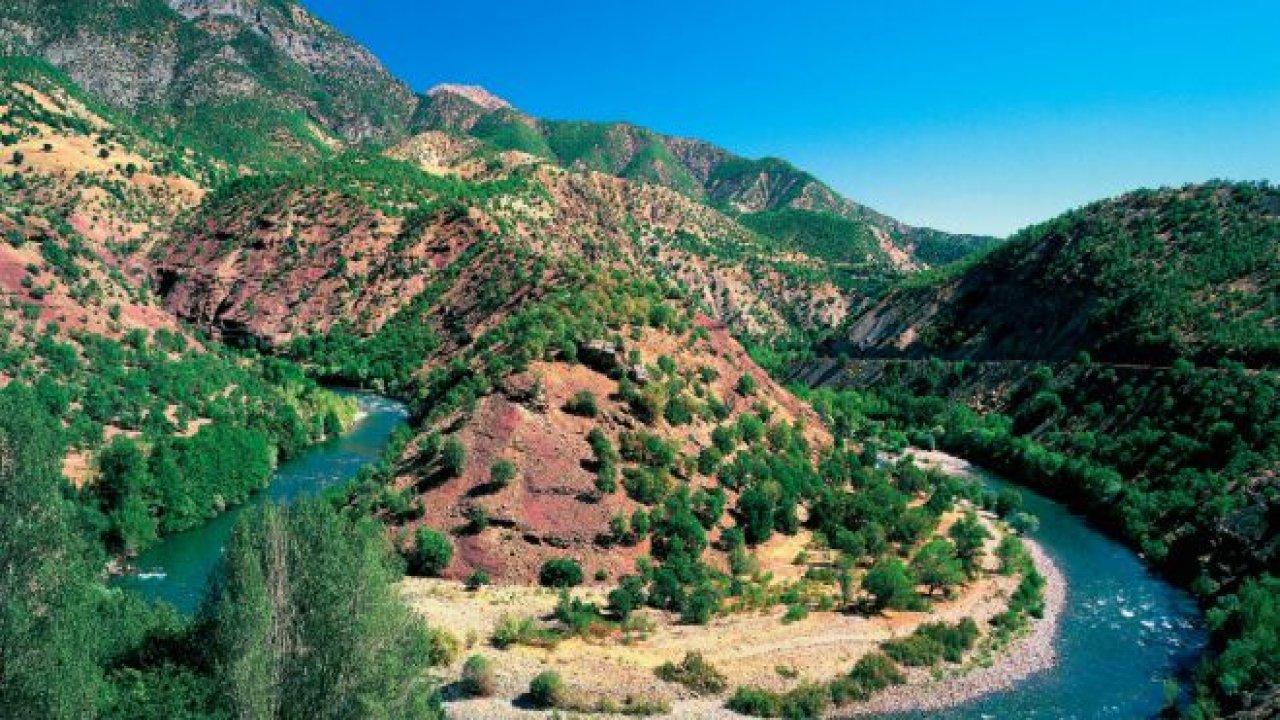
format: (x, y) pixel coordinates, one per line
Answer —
(695, 673)
(560, 573)
(477, 579)
(795, 613)
(522, 631)
(746, 384)
(477, 677)
(807, 701)
(627, 597)
(502, 472)
(454, 457)
(755, 702)
(547, 690)
(432, 554)
(890, 585)
(874, 672)
(577, 615)
(583, 403)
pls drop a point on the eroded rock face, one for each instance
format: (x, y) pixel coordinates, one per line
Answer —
(136, 58)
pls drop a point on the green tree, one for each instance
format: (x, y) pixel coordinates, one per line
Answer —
(969, 536)
(49, 634)
(454, 457)
(756, 509)
(502, 472)
(560, 573)
(937, 565)
(307, 623)
(432, 552)
(890, 585)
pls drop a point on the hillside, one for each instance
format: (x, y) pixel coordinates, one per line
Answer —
(695, 168)
(355, 240)
(260, 82)
(1144, 278)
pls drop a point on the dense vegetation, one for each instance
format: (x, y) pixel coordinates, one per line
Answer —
(1177, 462)
(1145, 278)
(305, 599)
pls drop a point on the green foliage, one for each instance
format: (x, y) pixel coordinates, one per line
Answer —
(325, 581)
(891, 586)
(873, 672)
(560, 572)
(432, 552)
(695, 673)
(478, 678)
(937, 565)
(522, 631)
(502, 472)
(1246, 632)
(583, 403)
(806, 701)
(932, 643)
(49, 635)
(547, 690)
(969, 536)
(627, 597)
(453, 457)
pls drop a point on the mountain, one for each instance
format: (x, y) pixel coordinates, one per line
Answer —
(1143, 278)
(260, 82)
(693, 167)
(265, 84)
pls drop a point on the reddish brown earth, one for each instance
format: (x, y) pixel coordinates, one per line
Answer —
(552, 508)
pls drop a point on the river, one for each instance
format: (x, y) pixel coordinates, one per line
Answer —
(177, 569)
(1124, 630)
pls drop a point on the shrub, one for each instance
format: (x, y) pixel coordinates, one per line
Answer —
(477, 579)
(577, 615)
(477, 677)
(502, 472)
(477, 519)
(755, 702)
(522, 631)
(627, 597)
(746, 384)
(914, 650)
(454, 457)
(547, 690)
(807, 701)
(583, 403)
(890, 585)
(874, 672)
(795, 613)
(432, 553)
(560, 573)
(695, 673)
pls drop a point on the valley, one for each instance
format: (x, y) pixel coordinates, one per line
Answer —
(324, 397)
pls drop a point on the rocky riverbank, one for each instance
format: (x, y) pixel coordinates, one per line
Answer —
(1032, 653)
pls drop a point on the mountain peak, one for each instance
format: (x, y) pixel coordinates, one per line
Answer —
(473, 93)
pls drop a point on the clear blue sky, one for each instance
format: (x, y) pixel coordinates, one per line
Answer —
(964, 115)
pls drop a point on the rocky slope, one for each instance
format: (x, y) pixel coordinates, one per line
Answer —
(85, 195)
(252, 80)
(693, 167)
(1142, 279)
(272, 259)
